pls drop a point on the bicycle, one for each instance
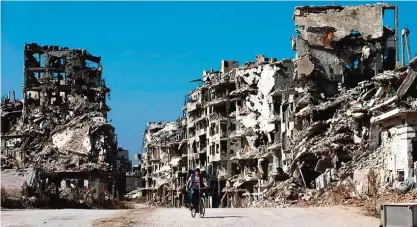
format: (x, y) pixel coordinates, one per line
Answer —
(200, 205)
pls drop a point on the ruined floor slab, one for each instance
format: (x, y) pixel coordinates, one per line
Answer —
(311, 217)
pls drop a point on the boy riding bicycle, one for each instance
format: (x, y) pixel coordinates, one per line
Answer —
(194, 185)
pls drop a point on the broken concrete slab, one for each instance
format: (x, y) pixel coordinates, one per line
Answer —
(316, 22)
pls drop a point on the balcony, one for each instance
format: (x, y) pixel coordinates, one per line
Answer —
(219, 101)
(218, 116)
(194, 119)
(191, 106)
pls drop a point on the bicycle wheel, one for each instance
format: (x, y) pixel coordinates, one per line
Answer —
(193, 212)
(202, 208)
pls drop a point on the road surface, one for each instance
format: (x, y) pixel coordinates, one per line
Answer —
(161, 217)
(54, 218)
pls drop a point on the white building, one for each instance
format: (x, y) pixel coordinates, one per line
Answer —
(396, 131)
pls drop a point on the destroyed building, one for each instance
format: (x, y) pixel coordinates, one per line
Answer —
(164, 160)
(334, 58)
(10, 117)
(350, 91)
(271, 129)
(232, 129)
(60, 127)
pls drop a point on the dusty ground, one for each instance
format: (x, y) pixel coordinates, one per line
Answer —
(53, 218)
(145, 216)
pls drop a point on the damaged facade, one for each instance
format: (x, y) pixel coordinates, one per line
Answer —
(268, 131)
(60, 127)
(164, 160)
(232, 131)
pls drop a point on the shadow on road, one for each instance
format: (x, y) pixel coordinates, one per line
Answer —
(225, 217)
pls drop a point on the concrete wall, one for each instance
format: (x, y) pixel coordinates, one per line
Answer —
(33, 94)
(12, 180)
(397, 148)
(132, 183)
(276, 160)
(226, 66)
(367, 181)
(306, 17)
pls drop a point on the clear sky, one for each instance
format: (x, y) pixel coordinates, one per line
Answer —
(151, 50)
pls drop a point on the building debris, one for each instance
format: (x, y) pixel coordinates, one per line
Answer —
(276, 133)
(60, 128)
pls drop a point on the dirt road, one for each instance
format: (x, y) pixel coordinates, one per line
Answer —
(141, 216)
(53, 218)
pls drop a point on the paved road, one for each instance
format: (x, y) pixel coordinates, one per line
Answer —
(163, 217)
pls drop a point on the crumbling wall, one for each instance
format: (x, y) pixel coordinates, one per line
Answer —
(333, 47)
(163, 159)
(318, 24)
(62, 122)
(71, 123)
(161, 132)
(264, 78)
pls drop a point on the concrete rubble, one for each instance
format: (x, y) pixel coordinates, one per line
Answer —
(59, 129)
(281, 132)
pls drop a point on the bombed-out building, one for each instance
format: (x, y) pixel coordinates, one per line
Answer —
(280, 129)
(232, 129)
(164, 160)
(60, 126)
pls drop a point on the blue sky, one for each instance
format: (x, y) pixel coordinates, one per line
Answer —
(151, 50)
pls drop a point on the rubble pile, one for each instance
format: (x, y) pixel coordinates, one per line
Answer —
(161, 132)
(254, 116)
(60, 127)
(342, 145)
(79, 142)
(335, 124)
